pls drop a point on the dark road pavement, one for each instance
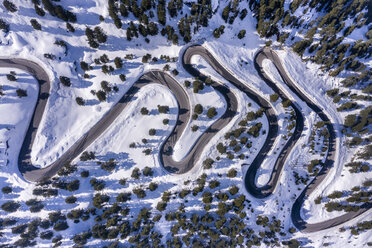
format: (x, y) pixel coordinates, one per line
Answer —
(297, 220)
(35, 174)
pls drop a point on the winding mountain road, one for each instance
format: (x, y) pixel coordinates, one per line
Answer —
(35, 174)
(297, 220)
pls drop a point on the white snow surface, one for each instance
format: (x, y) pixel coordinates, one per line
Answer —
(64, 121)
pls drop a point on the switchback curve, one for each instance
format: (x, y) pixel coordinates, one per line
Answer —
(33, 173)
(297, 220)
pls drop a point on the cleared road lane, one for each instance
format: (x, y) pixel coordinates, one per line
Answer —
(35, 174)
(297, 220)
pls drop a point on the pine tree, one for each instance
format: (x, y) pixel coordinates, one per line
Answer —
(60, 12)
(35, 24)
(179, 4)
(10, 6)
(80, 101)
(146, 4)
(153, 29)
(142, 30)
(65, 81)
(101, 95)
(129, 34)
(100, 35)
(161, 12)
(4, 26)
(117, 22)
(70, 28)
(243, 14)
(136, 10)
(39, 11)
(175, 39)
(133, 29)
(241, 34)
(172, 8)
(198, 109)
(123, 11)
(118, 63)
(226, 12)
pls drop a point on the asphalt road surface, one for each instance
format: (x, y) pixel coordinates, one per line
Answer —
(35, 174)
(297, 220)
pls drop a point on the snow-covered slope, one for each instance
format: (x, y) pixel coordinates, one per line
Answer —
(128, 140)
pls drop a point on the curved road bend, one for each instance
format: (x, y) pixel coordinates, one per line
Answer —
(35, 174)
(42, 99)
(251, 174)
(297, 220)
(32, 173)
(270, 114)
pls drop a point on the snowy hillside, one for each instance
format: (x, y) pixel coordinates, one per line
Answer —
(117, 193)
